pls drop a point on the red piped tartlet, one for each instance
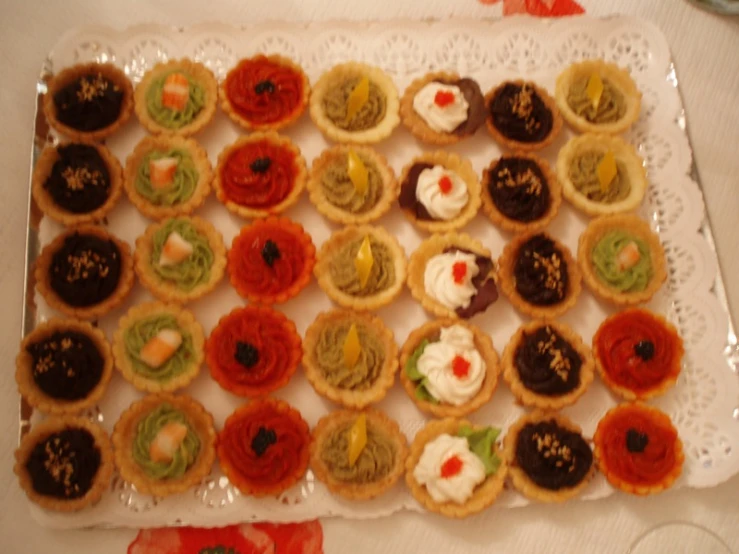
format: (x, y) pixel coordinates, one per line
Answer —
(637, 448)
(264, 447)
(253, 351)
(265, 93)
(271, 260)
(259, 175)
(638, 354)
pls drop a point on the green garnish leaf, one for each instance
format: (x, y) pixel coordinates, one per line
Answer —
(411, 370)
(481, 443)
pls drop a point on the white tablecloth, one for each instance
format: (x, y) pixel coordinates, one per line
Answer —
(706, 51)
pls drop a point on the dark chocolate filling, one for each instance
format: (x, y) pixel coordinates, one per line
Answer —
(407, 198)
(85, 270)
(518, 189)
(88, 103)
(79, 181)
(475, 102)
(546, 363)
(519, 113)
(540, 272)
(487, 291)
(65, 464)
(263, 440)
(552, 457)
(66, 365)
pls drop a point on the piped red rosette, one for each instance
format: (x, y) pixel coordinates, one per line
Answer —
(253, 351)
(264, 447)
(637, 448)
(638, 354)
(271, 260)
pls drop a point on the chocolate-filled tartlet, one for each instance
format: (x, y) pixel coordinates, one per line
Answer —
(442, 108)
(76, 183)
(548, 458)
(85, 272)
(64, 463)
(520, 193)
(63, 366)
(88, 102)
(539, 275)
(547, 365)
(522, 116)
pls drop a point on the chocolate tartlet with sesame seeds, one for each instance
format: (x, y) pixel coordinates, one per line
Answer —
(85, 272)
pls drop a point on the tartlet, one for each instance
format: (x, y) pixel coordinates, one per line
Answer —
(264, 447)
(638, 354)
(77, 183)
(621, 259)
(521, 116)
(439, 192)
(88, 102)
(548, 459)
(577, 169)
(453, 275)
(547, 365)
(84, 272)
(265, 92)
(348, 192)
(438, 456)
(46, 472)
(259, 175)
(64, 366)
(638, 449)
(167, 176)
(176, 97)
(349, 468)
(141, 331)
(611, 106)
(442, 108)
(334, 373)
(253, 351)
(182, 277)
(344, 256)
(449, 368)
(373, 98)
(539, 275)
(520, 193)
(164, 444)
(271, 260)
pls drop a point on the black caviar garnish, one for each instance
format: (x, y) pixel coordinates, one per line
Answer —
(263, 440)
(246, 354)
(260, 165)
(644, 349)
(264, 86)
(270, 253)
(636, 441)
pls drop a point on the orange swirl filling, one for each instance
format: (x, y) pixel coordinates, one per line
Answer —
(271, 260)
(638, 445)
(248, 179)
(637, 351)
(263, 447)
(264, 91)
(253, 351)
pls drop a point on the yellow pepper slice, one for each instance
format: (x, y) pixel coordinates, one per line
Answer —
(357, 438)
(357, 173)
(357, 98)
(594, 89)
(364, 261)
(352, 347)
(607, 171)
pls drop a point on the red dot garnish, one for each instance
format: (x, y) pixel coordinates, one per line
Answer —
(459, 272)
(445, 185)
(443, 98)
(460, 367)
(451, 467)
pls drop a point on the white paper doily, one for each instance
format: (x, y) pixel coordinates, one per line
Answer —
(704, 402)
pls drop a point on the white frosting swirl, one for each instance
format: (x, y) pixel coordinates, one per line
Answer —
(441, 205)
(442, 119)
(436, 364)
(457, 488)
(438, 279)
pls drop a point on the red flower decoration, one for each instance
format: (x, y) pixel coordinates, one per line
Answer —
(541, 8)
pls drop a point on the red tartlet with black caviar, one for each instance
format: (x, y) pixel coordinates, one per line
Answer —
(637, 448)
(638, 354)
(265, 92)
(264, 447)
(259, 175)
(271, 260)
(253, 351)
